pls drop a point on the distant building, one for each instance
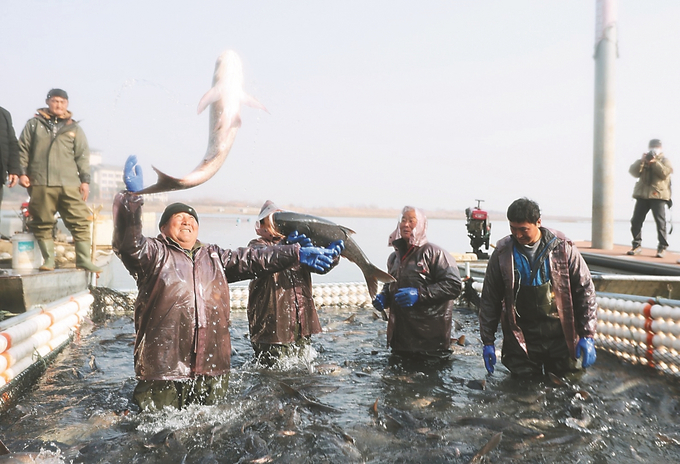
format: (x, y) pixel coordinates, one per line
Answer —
(107, 180)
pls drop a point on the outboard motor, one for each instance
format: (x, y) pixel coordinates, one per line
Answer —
(479, 229)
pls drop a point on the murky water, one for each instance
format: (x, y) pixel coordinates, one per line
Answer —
(350, 403)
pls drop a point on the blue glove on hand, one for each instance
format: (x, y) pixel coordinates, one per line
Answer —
(302, 239)
(132, 175)
(316, 258)
(406, 297)
(588, 346)
(379, 302)
(489, 355)
(337, 247)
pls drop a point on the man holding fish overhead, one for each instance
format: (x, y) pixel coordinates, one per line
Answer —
(539, 287)
(183, 347)
(421, 299)
(281, 312)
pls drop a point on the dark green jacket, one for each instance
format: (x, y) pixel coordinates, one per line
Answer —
(54, 152)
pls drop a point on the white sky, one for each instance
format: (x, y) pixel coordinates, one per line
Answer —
(373, 103)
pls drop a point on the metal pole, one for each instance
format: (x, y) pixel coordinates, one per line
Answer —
(605, 122)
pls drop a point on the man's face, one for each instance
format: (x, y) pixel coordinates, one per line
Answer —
(526, 233)
(408, 224)
(58, 106)
(183, 229)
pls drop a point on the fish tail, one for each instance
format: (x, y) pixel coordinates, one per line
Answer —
(164, 183)
(373, 275)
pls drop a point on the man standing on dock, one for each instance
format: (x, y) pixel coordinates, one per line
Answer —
(54, 159)
(652, 191)
(540, 289)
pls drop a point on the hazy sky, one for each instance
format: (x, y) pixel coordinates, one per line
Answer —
(373, 103)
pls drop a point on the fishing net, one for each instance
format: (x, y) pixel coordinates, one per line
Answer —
(109, 303)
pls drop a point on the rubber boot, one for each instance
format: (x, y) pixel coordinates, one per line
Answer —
(47, 251)
(83, 260)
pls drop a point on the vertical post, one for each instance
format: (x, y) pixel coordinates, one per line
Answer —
(605, 121)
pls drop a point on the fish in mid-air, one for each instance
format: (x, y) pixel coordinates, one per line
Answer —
(225, 99)
(322, 232)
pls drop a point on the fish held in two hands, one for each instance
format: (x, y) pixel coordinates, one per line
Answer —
(225, 99)
(322, 232)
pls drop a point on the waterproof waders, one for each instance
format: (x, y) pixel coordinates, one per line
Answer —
(538, 318)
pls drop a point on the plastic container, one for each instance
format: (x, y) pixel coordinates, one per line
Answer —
(25, 252)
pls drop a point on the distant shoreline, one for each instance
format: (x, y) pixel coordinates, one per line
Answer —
(247, 209)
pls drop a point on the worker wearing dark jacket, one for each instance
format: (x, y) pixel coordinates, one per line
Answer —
(183, 347)
(539, 287)
(281, 311)
(9, 152)
(421, 299)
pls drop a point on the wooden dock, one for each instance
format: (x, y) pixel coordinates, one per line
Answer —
(617, 261)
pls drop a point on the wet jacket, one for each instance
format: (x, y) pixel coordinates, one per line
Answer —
(279, 301)
(425, 326)
(9, 147)
(654, 180)
(54, 152)
(182, 309)
(572, 286)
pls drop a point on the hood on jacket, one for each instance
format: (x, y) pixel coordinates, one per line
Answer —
(261, 227)
(45, 113)
(419, 235)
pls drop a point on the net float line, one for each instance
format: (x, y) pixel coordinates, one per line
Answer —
(641, 330)
(324, 294)
(29, 337)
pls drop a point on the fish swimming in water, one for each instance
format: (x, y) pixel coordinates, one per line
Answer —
(225, 99)
(489, 446)
(322, 232)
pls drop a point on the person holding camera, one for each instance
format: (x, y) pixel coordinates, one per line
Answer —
(652, 191)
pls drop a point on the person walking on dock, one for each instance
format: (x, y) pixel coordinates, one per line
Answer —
(652, 191)
(54, 160)
(539, 287)
(9, 152)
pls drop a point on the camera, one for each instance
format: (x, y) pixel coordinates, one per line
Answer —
(649, 156)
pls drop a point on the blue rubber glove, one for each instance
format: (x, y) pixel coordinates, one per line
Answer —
(379, 302)
(302, 239)
(489, 355)
(319, 259)
(337, 247)
(132, 175)
(406, 297)
(588, 346)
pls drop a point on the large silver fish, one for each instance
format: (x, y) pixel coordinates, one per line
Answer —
(322, 232)
(225, 99)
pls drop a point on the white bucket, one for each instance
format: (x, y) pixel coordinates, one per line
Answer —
(25, 252)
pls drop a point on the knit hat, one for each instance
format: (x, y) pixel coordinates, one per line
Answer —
(174, 209)
(654, 143)
(57, 93)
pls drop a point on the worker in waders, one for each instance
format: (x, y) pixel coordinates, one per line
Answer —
(539, 287)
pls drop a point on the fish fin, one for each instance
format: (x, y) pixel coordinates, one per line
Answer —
(374, 275)
(165, 183)
(3, 449)
(347, 230)
(251, 101)
(211, 96)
